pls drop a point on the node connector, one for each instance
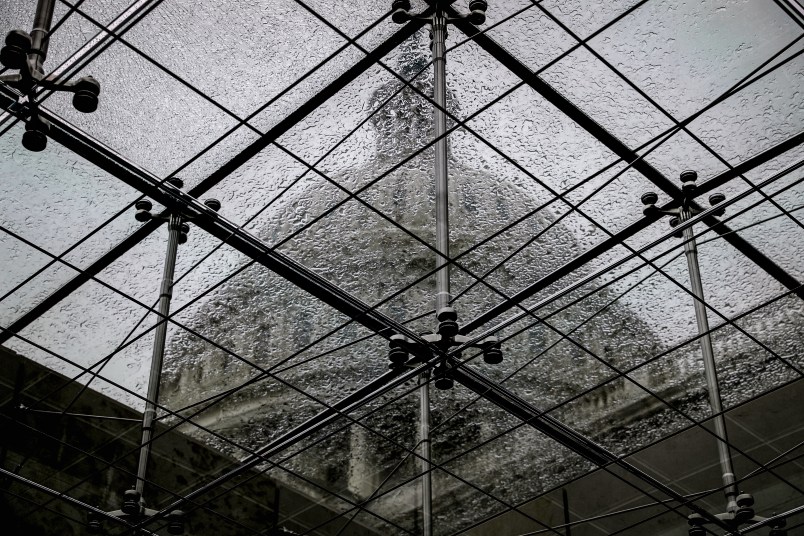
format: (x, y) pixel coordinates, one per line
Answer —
(85, 99)
(745, 510)
(696, 523)
(674, 222)
(183, 230)
(649, 199)
(175, 182)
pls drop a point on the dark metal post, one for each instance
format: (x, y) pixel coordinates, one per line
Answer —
(160, 334)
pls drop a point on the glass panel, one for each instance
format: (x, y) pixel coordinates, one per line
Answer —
(684, 65)
(219, 65)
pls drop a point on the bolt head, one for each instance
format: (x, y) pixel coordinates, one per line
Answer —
(493, 355)
(649, 198)
(716, 198)
(143, 204)
(143, 216)
(443, 383)
(175, 182)
(85, 102)
(34, 140)
(689, 176)
(213, 204)
(175, 521)
(13, 57)
(674, 221)
(19, 38)
(744, 499)
(397, 356)
(131, 502)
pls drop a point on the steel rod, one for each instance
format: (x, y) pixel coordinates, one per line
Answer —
(424, 433)
(710, 371)
(439, 34)
(160, 335)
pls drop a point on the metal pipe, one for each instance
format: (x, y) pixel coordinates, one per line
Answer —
(424, 433)
(710, 371)
(160, 334)
(40, 34)
(438, 46)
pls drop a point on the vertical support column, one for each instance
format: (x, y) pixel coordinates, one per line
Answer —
(710, 372)
(40, 34)
(160, 335)
(424, 433)
(438, 46)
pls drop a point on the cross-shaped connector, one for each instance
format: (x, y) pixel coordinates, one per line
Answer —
(402, 14)
(447, 337)
(687, 208)
(144, 207)
(133, 511)
(24, 54)
(742, 513)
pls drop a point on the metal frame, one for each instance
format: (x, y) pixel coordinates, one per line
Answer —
(355, 309)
